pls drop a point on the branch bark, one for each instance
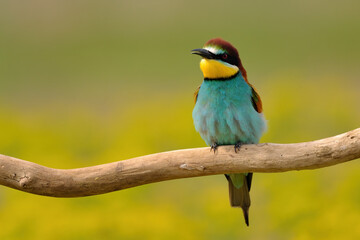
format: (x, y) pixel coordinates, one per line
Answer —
(267, 157)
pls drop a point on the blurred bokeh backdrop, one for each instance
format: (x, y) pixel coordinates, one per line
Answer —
(91, 82)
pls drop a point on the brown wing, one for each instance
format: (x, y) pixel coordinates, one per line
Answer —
(196, 93)
(256, 100)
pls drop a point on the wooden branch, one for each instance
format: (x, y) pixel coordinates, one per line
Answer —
(267, 157)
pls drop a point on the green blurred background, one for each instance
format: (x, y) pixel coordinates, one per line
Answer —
(91, 82)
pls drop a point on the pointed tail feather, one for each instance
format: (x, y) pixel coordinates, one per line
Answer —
(239, 197)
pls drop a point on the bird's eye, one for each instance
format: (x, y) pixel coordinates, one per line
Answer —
(224, 56)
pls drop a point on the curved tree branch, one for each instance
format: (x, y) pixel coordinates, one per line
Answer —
(267, 157)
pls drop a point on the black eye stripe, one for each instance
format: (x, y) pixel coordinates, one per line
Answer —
(230, 59)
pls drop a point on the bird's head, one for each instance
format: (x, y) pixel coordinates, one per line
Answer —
(220, 60)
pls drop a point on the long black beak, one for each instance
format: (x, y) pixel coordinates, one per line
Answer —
(203, 52)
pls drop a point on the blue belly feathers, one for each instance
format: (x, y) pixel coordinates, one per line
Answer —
(224, 114)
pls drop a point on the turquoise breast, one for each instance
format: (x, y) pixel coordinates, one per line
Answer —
(224, 114)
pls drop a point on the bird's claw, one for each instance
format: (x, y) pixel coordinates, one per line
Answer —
(237, 147)
(213, 147)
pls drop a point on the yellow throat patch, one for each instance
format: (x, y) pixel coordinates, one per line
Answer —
(214, 69)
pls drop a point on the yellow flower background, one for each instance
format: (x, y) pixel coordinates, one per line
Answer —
(90, 82)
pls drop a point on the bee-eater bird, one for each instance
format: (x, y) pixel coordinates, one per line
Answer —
(228, 111)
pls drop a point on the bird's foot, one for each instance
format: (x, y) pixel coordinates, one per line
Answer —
(237, 147)
(213, 147)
